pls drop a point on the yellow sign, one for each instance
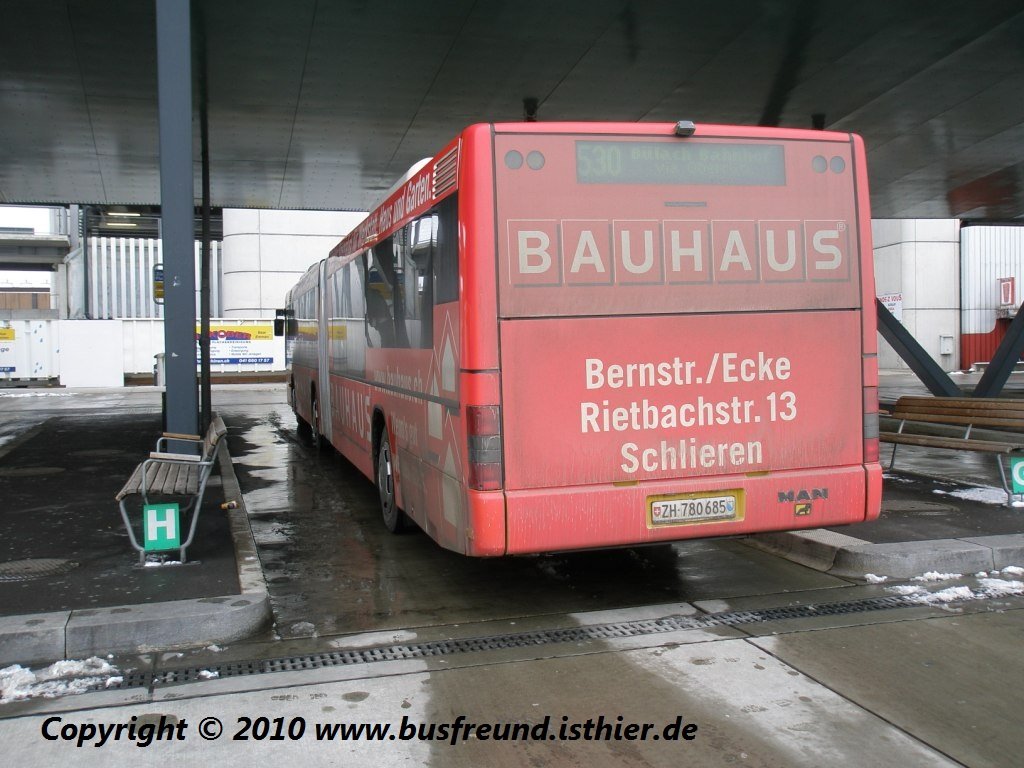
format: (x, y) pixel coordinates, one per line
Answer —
(6, 334)
(241, 342)
(241, 331)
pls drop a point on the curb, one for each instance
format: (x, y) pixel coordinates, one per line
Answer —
(153, 626)
(841, 555)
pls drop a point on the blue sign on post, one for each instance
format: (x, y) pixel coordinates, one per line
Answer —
(158, 283)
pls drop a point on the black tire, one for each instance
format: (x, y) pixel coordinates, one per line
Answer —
(302, 429)
(394, 518)
(315, 438)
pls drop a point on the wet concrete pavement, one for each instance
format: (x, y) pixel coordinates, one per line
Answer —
(70, 584)
(57, 484)
(331, 568)
(785, 681)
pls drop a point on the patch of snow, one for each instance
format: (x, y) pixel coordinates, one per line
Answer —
(1000, 587)
(871, 578)
(38, 394)
(984, 493)
(152, 562)
(214, 647)
(988, 588)
(208, 674)
(936, 576)
(947, 595)
(1013, 570)
(59, 679)
(304, 628)
(906, 590)
(370, 639)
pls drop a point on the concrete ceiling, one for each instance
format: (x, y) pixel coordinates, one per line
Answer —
(319, 104)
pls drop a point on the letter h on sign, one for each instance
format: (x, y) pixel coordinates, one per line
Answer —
(160, 529)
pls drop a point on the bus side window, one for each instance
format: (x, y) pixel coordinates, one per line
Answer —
(418, 281)
(355, 318)
(379, 273)
(446, 251)
(336, 312)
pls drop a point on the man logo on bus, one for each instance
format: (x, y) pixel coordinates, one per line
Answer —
(648, 252)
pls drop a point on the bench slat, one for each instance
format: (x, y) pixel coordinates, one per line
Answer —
(981, 410)
(962, 403)
(175, 456)
(961, 419)
(180, 436)
(166, 478)
(132, 486)
(182, 478)
(156, 475)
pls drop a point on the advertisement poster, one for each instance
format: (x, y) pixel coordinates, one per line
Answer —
(894, 303)
(241, 342)
(7, 360)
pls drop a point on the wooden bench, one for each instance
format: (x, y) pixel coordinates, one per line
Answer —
(167, 474)
(963, 413)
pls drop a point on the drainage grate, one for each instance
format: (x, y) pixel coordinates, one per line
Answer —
(527, 639)
(38, 568)
(133, 679)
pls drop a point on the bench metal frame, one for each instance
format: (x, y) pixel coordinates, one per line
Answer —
(170, 474)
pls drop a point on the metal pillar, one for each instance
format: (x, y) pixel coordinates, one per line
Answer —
(1004, 359)
(206, 408)
(920, 362)
(174, 85)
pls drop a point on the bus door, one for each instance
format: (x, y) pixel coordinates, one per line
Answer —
(323, 336)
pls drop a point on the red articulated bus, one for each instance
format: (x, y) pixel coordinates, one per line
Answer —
(557, 336)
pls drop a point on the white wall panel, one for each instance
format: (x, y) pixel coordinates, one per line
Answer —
(33, 350)
(266, 252)
(920, 259)
(91, 353)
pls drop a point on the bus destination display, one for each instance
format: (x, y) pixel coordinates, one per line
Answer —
(696, 163)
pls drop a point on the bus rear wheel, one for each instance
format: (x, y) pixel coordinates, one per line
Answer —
(315, 438)
(301, 425)
(302, 428)
(394, 518)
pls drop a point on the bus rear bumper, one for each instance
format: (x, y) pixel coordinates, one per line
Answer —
(595, 516)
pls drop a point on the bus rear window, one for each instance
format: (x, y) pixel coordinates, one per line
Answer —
(658, 162)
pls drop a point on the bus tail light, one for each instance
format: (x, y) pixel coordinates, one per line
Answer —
(483, 428)
(871, 448)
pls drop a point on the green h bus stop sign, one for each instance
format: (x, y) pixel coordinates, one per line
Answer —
(1017, 473)
(160, 528)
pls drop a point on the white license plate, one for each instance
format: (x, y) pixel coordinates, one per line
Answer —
(694, 508)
